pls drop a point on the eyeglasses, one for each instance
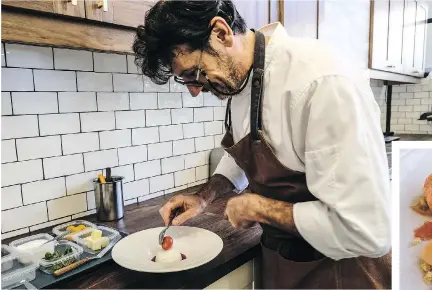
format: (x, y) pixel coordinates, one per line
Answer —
(196, 82)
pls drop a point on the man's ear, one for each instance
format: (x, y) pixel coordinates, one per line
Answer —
(222, 32)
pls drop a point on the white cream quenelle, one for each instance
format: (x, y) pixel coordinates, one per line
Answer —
(168, 256)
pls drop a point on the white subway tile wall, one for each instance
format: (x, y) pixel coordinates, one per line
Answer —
(3, 59)
(147, 169)
(81, 182)
(70, 59)
(80, 143)
(69, 114)
(115, 139)
(408, 103)
(94, 82)
(127, 83)
(38, 147)
(181, 116)
(19, 126)
(11, 197)
(17, 79)
(130, 119)
(108, 62)
(112, 101)
(32, 57)
(6, 103)
(55, 80)
(8, 151)
(75, 102)
(54, 124)
(141, 101)
(26, 103)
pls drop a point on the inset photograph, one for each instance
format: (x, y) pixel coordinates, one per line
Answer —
(412, 178)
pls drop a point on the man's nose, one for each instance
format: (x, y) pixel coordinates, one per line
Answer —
(194, 91)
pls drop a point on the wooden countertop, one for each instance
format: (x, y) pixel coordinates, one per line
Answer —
(240, 246)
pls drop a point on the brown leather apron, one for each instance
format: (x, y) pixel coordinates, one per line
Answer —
(289, 262)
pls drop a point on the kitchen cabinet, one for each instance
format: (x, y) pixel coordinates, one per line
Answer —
(409, 36)
(420, 38)
(395, 35)
(122, 12)
(398, 31)
(240, 278)
(125, 12)
(65, 7)
(99, 10)
(380, 29)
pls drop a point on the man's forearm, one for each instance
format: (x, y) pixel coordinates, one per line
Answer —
(217, 186)
(275, 213)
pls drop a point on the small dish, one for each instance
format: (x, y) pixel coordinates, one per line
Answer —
(6, 260)
(17, 273)
(33, 248)
(61, 229)
(80, 238)
(51, 266)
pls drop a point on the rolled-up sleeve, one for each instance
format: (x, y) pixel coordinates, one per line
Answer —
(346, 170)
(229, 168)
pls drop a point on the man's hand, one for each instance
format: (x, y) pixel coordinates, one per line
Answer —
(241, 210)
(190, 205)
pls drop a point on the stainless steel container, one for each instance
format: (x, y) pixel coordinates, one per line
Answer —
(109, 199)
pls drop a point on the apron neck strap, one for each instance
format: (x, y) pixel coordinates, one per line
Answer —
(257, 89)
(228, 116)
(257, 85)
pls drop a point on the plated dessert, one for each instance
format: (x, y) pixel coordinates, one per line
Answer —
(168, 254)
(423, 205)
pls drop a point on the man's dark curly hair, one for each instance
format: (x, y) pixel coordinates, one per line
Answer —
(169, 24)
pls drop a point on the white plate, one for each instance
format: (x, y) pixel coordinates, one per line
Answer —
(415, 166)
(136, 251)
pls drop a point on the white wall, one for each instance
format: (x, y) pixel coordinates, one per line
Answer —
(68, 114)
(428, 65)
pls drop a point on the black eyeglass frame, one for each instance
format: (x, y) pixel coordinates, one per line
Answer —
(198, 84)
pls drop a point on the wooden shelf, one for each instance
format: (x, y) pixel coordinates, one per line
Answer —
(20, 26)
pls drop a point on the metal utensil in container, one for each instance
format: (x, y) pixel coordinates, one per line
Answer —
(109, 198)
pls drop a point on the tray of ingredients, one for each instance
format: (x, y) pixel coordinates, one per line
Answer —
(16, 269)
(46, 259)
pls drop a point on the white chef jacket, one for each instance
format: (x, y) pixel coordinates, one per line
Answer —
(321, 118)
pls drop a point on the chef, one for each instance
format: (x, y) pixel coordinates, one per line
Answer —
(303, 143)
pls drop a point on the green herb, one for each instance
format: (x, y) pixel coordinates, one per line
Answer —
(57, 255)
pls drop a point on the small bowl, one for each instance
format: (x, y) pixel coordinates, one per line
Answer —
(61, 229)
(33, 254)
(6, 258)
(50, 267)
(16, 272)
(79, 238)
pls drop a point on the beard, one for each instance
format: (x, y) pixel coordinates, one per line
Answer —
(235, 76)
